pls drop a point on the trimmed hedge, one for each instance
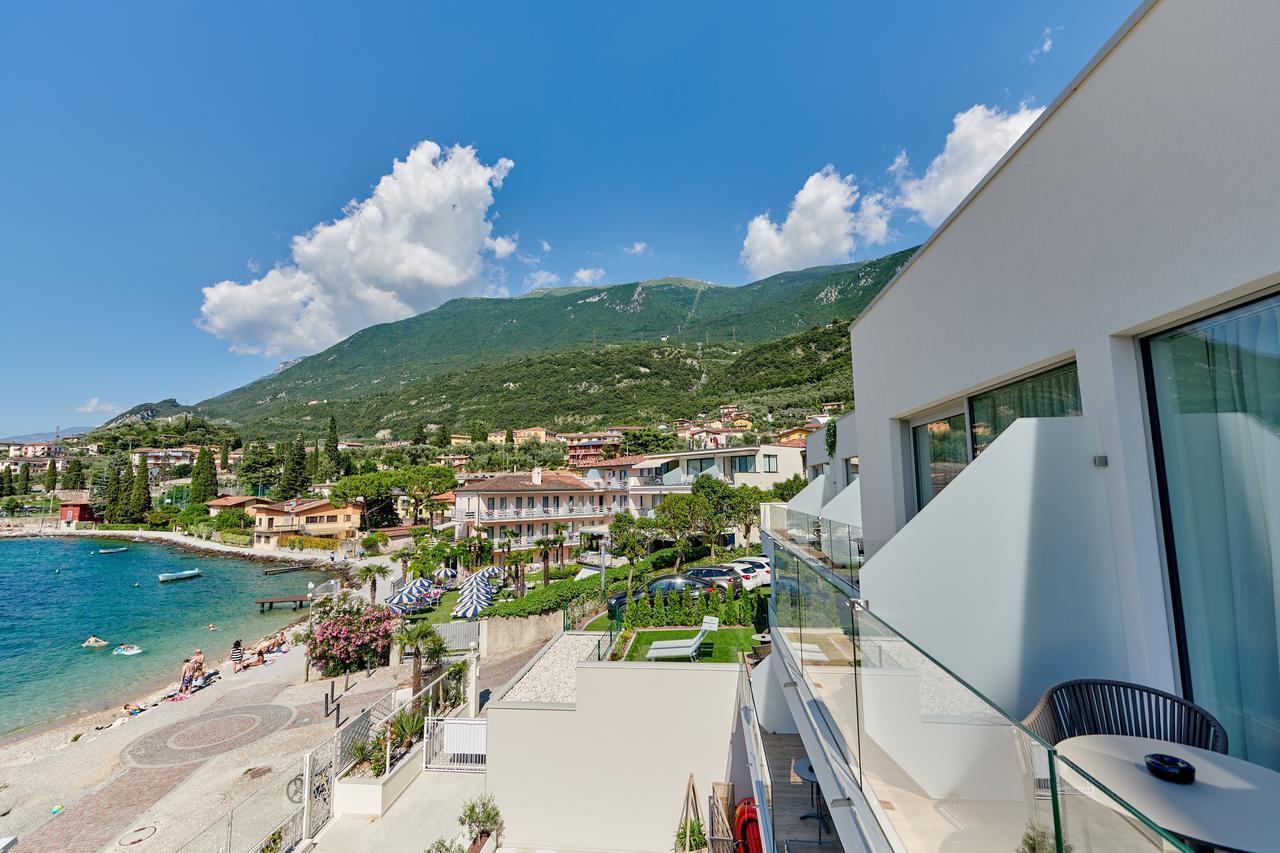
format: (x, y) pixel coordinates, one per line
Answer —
(300, 543)
(241, 539)
(123, 527)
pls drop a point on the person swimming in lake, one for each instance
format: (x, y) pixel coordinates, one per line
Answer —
(94, 642)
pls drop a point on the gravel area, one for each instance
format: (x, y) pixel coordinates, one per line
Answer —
(553, 678)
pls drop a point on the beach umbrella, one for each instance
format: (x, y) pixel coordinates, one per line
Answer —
(491, 572)
(419, 588)
(478, 598)
(467, 609)
(444, 572)
(475, 594)
(403, 600)
(474, 582)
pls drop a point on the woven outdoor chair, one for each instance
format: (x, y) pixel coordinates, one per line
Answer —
(1098, 707)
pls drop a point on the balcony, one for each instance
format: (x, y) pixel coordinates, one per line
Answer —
(537, 512)
(916, 758)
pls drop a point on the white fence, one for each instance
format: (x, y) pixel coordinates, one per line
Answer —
(455, 743)
(459, 635)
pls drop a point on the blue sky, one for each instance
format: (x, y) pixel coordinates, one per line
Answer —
(155, 150)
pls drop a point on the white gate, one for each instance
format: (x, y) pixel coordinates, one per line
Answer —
(454, 743)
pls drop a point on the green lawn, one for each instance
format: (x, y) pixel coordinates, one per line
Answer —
(448, 601)
(600, 623)
(720, 646)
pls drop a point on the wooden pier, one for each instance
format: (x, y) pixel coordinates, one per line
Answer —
(280, 570)
(298, 602)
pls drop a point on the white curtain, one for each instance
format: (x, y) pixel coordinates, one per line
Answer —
(1218, 402)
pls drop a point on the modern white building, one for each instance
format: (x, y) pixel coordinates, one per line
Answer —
(1067, 411)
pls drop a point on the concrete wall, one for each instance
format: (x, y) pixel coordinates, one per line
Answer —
(500, 637)
(1007, 576)
(846, 446)
(547, 763)
(1150, 194)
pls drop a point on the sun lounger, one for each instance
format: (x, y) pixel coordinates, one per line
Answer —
(683, 648)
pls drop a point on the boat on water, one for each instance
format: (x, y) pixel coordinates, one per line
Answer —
(179, 576)
(111, 550)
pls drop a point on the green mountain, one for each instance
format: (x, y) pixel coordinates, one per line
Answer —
(625, 352)
(464, 332)
(582, 387)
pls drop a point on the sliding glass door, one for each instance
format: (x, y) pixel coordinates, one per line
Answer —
(1215, 389)
(942, 452)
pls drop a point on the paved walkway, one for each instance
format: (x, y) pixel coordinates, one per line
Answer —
(156, 781)
(427, 810)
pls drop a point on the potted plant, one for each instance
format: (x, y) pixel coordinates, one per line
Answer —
(480, 818)
(1038, 839)
(690, 837)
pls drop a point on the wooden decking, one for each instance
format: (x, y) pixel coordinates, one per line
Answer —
(265, 604)
(792, 798)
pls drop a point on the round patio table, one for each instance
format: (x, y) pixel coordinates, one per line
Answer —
(1231, 804)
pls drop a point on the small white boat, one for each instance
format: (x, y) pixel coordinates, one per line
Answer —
(111, 550)
(179, 576)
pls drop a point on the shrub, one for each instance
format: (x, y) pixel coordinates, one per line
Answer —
(346, 634)
(232, 519)
(665, 560)
(122, 527)
(241, 539)
(481, 815)
(444, 845)
(691, 836)
(299, 543)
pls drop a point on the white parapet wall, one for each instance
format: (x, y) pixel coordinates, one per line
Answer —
(1007, 576)
(586, 776)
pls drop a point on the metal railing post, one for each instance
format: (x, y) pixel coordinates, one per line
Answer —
(307, 787)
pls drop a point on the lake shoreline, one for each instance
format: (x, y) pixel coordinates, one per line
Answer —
(149, 688)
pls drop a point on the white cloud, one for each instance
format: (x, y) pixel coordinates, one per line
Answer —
(823, 225)
(637, 248)
(590, 275)
(534, 260)
(418, 240)
(979, 138)
(541, 278)
(1043, 45)
(502, 247)
(546, 247)
(253, 266)
(94, 406)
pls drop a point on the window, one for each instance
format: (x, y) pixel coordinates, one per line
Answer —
(770, 463)
(743, 464)
(489, 503)
(850, 469)
(331, 519)
(699, 465)
(1052, 394)
(1214, 394)
(941, 453)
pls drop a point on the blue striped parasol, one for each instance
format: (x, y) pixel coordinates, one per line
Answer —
(419, 588)
(444, 572)
(404, 600)
(468, 609)
(476, 593)
(491, 572)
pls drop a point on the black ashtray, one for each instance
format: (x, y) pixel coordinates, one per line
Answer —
(1171, 768)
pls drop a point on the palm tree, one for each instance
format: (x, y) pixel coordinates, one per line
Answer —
(421, 638)
(518, 560)
(544, 546)
(560, 527)
(371, 572)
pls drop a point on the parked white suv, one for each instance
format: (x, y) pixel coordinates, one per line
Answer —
(754, 571)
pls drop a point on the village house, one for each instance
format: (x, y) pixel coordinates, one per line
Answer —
(71, 512)
(272, 522)
(456, 461)
(248, 503)
(518, 509)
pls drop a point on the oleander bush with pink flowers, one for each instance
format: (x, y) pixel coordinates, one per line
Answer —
(346, 634)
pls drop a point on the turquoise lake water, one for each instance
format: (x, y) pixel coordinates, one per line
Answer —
(44, 617)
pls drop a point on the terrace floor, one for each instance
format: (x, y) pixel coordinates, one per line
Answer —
(792, 797)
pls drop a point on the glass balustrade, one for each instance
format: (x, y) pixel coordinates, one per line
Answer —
(938, 765)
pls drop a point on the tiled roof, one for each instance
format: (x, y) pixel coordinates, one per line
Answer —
(231, 500)
(619, 462)
(552, 481)
(295, 507)
(795, 442)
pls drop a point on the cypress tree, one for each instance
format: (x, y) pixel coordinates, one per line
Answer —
(125, 494)
(510, 439)
(6, 482)
(313, 463)
(420, 437)
(140, 496)
(224, 457)
(204, 479)
(113, 494)
(302, 479)
(442, 435)
(51, 476)
(24, 479)
(74, 478)
(331, 445)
